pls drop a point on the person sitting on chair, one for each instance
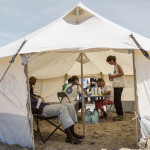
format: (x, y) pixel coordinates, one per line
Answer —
(66, 114)
(64, 86)
(72, 90)
(107, 92)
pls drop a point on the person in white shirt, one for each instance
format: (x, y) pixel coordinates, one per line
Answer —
(107, 92)
(118, 84)
(72, 90)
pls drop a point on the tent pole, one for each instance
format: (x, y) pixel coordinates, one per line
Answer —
(82, 111)
(28, 104)
(136, 100)
(77, 13)
(12, 60)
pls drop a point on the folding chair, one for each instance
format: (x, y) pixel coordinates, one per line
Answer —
(110, 109)
(38, 118)
(62, 95)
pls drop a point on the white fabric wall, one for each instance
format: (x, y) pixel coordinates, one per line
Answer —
(48, 88)
(128, 90)
(14, 123)
(143, 88)
(50, 69)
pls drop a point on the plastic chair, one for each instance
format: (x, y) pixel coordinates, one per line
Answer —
(62, 95)
(38, 118)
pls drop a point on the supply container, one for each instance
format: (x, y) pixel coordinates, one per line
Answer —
(87, 115)
(95, 117)
(92, 91)
(99, 91)
(95, 91)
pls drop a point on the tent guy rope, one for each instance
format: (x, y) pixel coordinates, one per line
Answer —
(12, 60)
(140, 47)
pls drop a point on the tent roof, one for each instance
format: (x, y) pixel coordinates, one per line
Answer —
(79, 30)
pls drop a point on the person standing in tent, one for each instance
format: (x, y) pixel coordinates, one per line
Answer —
(118, 84)
(66, 114)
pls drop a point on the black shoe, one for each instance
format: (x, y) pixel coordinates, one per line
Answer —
(78, 136)
(72, 141)
(105, 115)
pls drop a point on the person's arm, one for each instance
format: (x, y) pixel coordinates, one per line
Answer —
(78, 83)
(80, 91)
(106, 93)
(107, 90)
(121, 73)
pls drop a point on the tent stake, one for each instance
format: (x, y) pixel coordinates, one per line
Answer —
(12, 60)
(135, 93)
(83, 119)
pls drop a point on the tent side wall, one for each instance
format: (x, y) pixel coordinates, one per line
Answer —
(143, 87)
(15, 127)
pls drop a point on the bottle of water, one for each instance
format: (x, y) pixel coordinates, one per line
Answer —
(95, 91)
(99, 91)
(88, 116)
(110, 79)
(92, 91)
(95, 116)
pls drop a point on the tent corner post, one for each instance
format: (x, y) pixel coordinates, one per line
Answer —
(136, 98)
(82, 99)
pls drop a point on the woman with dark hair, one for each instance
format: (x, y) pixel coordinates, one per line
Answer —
(118, 84)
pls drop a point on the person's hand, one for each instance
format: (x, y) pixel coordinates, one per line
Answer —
(35, 111)
(111, 76)
(102, 93)
(38, 96)
(77, 82)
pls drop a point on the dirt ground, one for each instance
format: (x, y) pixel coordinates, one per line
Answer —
(106, 135)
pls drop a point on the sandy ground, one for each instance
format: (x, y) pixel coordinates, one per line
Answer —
(107, 134)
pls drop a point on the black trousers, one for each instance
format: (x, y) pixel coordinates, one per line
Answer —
(117, 100)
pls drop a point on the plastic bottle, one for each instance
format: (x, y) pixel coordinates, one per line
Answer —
(88, 116)
(92, 91)
(110, 79)
(95, 117)
(39, 102)
(99, 91)
(96, 91)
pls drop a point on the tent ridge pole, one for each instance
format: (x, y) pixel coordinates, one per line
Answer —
(77, 13)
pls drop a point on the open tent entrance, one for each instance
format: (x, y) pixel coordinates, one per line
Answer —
(52, 53)
(53, 69)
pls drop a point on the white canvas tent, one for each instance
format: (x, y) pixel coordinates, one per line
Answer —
(52, 52)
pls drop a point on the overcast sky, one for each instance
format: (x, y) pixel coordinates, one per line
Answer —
(21, 17)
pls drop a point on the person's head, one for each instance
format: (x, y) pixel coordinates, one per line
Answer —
(32, 80)
(69, 80)
(101, 82)
(111, 60)
(74, 79)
